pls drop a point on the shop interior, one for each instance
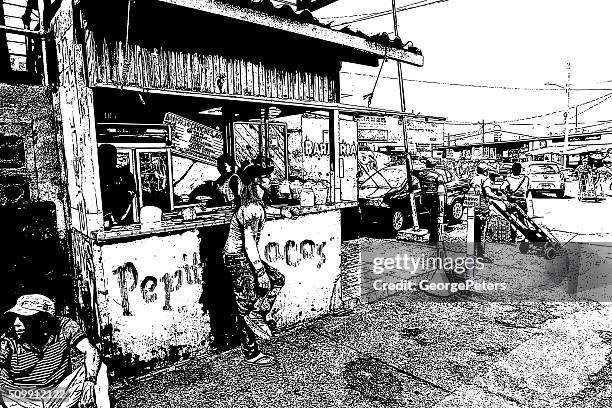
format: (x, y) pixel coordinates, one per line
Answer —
(170, 145)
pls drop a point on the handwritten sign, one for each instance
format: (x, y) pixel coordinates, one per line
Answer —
(471, 200)
(424, 132)
(194, 139)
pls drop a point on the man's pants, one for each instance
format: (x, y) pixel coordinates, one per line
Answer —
(480, 224)
(250, 298)
(65, 395)
(432, 204)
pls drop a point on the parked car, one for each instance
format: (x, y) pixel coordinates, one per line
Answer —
(545, 176)
(568, 173)
(384, 198)
(504, 169)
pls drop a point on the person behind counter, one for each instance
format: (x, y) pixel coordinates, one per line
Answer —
(118, 188)
(224, 190)
(256, 284)
(228, 184)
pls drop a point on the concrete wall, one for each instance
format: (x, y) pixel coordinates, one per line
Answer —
(33, 211)
(149, 296)
(150, 293)
(307, 251)
(27, 116)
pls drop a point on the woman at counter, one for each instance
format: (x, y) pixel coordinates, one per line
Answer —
(226, 189)
(256, 284)
(228, 184)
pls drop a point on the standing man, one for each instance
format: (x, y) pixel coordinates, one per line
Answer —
(35, 365)
(516, 187)
(481, 185)
(431, 182)
(256, 284)
(582, 172)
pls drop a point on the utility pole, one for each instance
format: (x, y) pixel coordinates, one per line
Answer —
(483, 132)
(566, 88)
(566, 115)
(400, 75)
(576, 118)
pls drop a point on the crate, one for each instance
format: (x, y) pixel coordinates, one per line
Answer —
(411, 235)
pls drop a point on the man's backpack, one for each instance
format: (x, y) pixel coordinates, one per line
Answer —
(430, 181)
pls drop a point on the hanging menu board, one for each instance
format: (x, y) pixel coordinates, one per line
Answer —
(194, 140)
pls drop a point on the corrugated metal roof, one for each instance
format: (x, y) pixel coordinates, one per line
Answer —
(305, 16)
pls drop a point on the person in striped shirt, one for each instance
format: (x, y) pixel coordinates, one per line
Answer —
(35, 363)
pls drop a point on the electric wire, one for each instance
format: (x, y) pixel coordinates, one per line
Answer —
(384, 13)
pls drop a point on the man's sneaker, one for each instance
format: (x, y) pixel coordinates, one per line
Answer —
(257, 324)
(485, 259)
(271, 323)
(261, 360)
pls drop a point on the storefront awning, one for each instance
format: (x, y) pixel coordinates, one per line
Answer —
(546, 150)
(590, 148)
(257, 102)
(264, 13)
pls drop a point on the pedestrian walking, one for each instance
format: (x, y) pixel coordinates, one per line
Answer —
(431, 182)
(256, 284)
(481, 185)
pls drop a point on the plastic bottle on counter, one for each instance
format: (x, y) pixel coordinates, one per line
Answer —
(284, 189)
(295, 187)
(307, 196)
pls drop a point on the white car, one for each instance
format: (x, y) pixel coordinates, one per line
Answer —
(545, 176)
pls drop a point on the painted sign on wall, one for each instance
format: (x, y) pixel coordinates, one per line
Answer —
(153, 291)
(309, 257)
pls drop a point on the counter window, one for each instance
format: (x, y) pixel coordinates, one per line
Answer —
(194, 182)
(253, 139)
(135, 170)
(153, 175)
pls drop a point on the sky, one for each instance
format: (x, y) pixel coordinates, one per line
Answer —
(510, 43)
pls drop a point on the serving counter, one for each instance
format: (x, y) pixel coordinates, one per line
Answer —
(161, 288)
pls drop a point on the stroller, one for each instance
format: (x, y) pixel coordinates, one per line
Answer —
(589, 187)
(535, 234)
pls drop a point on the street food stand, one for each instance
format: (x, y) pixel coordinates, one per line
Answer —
(171, 100)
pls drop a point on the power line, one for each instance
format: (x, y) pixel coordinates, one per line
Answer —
(369, 16)
(467, 85)
(555, 112)
(469, 134)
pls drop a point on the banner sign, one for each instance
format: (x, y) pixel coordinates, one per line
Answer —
(194, 139)
(424, 132)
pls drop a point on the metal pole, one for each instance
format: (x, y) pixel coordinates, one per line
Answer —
(400, 75)
(41, 27)
(483, 132)
(566, 116)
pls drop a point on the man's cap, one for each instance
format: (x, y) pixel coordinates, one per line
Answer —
(252, 171)
(29, 305)
(483, 166)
